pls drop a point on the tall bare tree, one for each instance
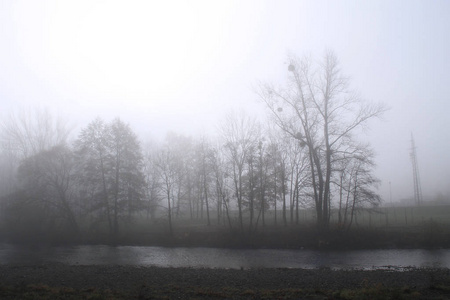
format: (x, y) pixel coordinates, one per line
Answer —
(205, 158)
(92, 154)
(318, 109)
(110, 166)
(152, 179)
(239, 134)
(222, 186)
(167, 171)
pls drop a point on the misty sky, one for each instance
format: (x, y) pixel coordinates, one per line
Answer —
(180, 65)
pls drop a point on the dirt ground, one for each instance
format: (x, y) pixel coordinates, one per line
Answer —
(122, 282)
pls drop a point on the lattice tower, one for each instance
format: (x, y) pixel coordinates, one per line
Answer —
(416, 175)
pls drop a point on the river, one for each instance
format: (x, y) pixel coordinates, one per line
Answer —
(223, 258)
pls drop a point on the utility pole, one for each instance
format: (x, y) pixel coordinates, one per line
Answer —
(416, 176)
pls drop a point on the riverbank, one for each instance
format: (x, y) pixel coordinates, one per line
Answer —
(419, 237)
(125, 282)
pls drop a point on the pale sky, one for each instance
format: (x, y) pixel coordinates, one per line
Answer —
(180, 65)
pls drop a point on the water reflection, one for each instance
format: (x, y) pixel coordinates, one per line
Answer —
(223, 258)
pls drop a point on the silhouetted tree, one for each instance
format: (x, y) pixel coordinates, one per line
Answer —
(46, 181)
(222, 185)
(319, 111)
(168, 175)
(205, 157)
(153, 194)
(110, 166)
(239, 135)
(357, 186)
(23, 135)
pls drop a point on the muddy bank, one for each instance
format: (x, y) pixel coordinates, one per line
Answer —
(185, 283)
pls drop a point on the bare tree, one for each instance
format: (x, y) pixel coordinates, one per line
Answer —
(184, 166)
(240, 135)
(299, 177)
(356, 185)
(46, 180)
(110, 165)
(152, 179)
(205, 157)
(168, 176)
(222, 186)
(318, 109)
(24, 134)
(126, 164)
(30, 132)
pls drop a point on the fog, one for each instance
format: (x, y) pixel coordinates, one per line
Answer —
(180, 66)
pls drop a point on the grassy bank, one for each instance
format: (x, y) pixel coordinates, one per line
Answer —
(426, 235)
(393, 227)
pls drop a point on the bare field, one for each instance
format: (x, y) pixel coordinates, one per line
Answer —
(124, 282)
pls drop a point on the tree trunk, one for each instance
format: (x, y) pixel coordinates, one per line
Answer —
(297, 196)
(105, 195)
(169, 210)
(354, 201)
(283, 191)
(275, 192)
(291, 196)
(206, 201)
(116, 198)
(239, 198)
(340, 203)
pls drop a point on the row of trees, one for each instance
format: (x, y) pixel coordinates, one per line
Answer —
(98, 178)
(306, 158)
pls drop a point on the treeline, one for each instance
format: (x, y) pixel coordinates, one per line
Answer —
(305, 156)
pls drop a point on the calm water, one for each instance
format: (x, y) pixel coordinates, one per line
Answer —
(223, 258)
